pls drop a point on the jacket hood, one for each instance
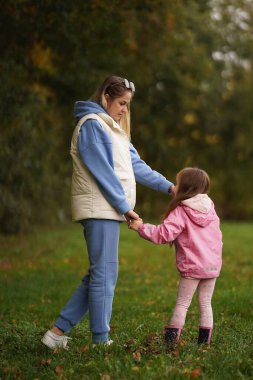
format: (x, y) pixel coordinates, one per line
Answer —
(200, 209)
(83, 108)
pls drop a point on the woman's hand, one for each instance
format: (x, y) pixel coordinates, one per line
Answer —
(131, 215)
(135, 224)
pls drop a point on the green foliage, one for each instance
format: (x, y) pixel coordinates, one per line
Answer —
(192, 66)
(47, 267)
(34, 165)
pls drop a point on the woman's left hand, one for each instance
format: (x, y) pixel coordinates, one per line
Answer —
(131, 215)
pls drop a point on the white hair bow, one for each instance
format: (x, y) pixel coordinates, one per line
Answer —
(129, 85)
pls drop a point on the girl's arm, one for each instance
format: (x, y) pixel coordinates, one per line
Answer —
(164, 233)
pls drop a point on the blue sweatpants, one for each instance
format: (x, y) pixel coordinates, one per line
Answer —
(96, 291)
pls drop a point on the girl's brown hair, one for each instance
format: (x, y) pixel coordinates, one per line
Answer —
(115, 87)
(190, 182)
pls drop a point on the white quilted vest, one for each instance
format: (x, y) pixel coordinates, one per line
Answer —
(87, 201)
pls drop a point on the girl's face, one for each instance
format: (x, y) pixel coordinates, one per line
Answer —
(117, 107)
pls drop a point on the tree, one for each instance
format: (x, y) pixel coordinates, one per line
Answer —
(192, 66)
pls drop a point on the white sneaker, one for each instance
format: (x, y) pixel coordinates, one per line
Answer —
(107, 343)
(53, 340)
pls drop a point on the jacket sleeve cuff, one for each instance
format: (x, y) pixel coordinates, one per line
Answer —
(165, 186)
(123, 207)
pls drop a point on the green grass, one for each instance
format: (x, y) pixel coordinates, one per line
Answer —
(38, 273)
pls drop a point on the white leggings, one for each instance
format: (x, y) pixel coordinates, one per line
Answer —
(187, 287)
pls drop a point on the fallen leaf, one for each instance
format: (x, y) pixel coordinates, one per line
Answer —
(104, 376)
(58, 369)
(18, 374)
(7, 369)
(173, 351)
(46, 362)
(195, 373)
(137, 356)
(151, 337)
(187, 371)
(128, 345)
(136, 369)
(150, 302)
(204, 349)
(123, 261)
(5, 265)
(85, 348)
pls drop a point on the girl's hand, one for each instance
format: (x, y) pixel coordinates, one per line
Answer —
(172, 190)
(131, 215)
(135, 224)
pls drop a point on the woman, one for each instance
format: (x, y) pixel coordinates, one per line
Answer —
(105, 168)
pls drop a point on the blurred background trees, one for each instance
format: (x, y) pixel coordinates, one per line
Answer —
(191, 62)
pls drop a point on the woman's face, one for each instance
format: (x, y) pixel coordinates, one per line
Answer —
(117, 107)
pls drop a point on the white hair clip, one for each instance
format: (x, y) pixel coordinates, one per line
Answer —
(129, 85)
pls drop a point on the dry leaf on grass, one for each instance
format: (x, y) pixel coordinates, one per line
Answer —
(195, 373)
(105, 376)
(18, 374)
(137, 356)
(128, 345)
(58, 369)
(45, 362)
(85, 348)
(175, 352)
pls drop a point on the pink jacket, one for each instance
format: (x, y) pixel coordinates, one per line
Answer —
(194, 227)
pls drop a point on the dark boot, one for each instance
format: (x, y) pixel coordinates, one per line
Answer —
(205, 334)
(171, 335)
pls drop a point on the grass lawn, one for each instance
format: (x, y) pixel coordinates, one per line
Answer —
(38, 273)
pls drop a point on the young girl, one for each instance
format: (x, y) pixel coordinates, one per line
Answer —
(192, 225)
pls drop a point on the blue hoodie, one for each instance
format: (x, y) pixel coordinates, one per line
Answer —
(95, 149)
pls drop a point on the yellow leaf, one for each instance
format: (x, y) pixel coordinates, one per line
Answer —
(85, 349)
(104, 376)
(137, 356)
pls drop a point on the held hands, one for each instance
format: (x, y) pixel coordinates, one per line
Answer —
(133, 220)
(130, 215)
(135, 224)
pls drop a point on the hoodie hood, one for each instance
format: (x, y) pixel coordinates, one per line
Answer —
(200, 209)
(83, 108)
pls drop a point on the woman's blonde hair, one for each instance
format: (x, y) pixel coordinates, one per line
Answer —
(115, 87)
(190, 182)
